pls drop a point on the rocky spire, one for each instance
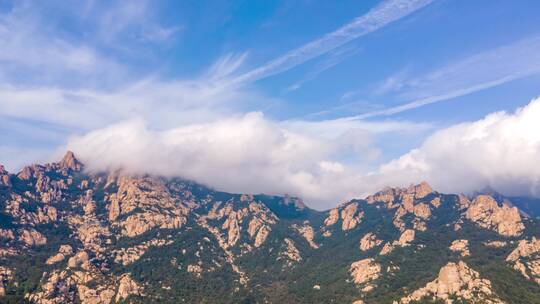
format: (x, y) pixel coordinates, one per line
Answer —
(4, 177)
(421, 190)
(70, 162)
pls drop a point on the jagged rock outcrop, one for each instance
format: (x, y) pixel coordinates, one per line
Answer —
(333, 217)
(6, 275)
(406, 237)
(81, 259)
(148, 195)
(32, 237)
(63, 252)
(7, 234)
(195, 269)
(259, 225)
(486, 213)
(461, 246)
(459, 281)
(349, 214)
(404, 240)
(412, 200)
(290, 254)
(364, 272)
(70, 162)
(126, 256)
(369, 241)
(393, 195)
(422, 211)
(308, 233)
(57, 288)
(495, 244)
(5, 180)
(526, 259)
(86, 287)
(127, 287)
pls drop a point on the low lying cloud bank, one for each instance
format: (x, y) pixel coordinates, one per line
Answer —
(501, 151)
(243, 154)
(253, 154)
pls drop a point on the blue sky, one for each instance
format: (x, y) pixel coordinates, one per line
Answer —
(379, 77)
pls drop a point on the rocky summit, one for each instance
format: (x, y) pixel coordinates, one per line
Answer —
(70, 236)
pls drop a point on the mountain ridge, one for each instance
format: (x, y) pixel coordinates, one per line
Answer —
(71, 236)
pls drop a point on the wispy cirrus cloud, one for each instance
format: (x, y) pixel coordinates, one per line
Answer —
(386, 12)
(334, 58)
(476, 73)
(86, 44)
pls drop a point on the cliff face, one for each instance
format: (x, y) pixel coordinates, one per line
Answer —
(68, 236)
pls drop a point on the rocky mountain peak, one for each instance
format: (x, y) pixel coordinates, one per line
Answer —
(456, 280)
(486, 212)
(4, 176)
(421, 190)
(70, 162)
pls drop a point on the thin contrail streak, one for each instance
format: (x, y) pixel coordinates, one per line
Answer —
(381, 15)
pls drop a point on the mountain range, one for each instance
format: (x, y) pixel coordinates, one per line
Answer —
(72, 236)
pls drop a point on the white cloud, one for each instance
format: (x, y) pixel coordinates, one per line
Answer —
(501, 151)
(242, 154)
(34, 51)
(253, 154)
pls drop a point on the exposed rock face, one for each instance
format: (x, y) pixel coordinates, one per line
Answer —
(227, 221)
(290, 254)
(436, 202)
(127, 288)
(195, 269)
(387, 248)
(526, 259)
(404, 240)
(421, 190)
(495, 244)
(32, 237)
(261, 236)
(406, 237)
(412, 200)
(57, 288)
(73, 287)
(392, 195)
(4, 177)
(259, 227)
(6, 275)
(461, 246)
(126, 256)
(463, 202)
(307, 232)
(7, 234)
(349, 215)
(63, 252)
(70, 162)
(364, 272)
(485, 212)
(81, 260)
(456, 280)
(333, 217)
(422, 211)
(147, 195)
(368, 241)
